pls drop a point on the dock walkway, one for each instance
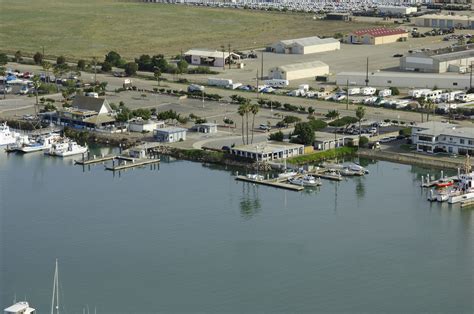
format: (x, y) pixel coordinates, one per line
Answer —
(127, 164)
(272, 183)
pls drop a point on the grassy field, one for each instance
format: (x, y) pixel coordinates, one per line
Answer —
(87, 28)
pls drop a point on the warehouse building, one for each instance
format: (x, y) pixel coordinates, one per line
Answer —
(405, 79)
(299, 71)
(306, 45)
(170, 134)
(376, 36)
(338, 16)
(210, 57)
(396, 10)
(444, 21)
(451, 59)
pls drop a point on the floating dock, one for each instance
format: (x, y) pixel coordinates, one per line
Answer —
(467, 203)
(272, 183)
(131, 163)
(326, 176)
(94, 160)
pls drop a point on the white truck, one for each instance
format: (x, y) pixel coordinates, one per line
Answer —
(219, 82)
(385, 92)
(277, 83)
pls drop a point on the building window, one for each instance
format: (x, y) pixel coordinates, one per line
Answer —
(461, 141)
(455, 83)
(389, 82)
(469, 142)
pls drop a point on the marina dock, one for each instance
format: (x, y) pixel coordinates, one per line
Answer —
(131, 163)
(271, 182)
(94, 160)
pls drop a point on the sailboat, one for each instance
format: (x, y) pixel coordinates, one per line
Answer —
(55, 298)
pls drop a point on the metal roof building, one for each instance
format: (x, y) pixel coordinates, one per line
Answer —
(209, 57)
(375, 36)
(451, 59)
(299, 71)
(306, 45)
(170, 134)
(444, 21)
(268, 150)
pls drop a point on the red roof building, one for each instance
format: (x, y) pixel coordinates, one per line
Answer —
(376, 36)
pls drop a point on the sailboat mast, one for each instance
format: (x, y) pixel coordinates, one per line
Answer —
(55, 296)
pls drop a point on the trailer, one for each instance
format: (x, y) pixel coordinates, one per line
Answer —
(465, 97)
(385, 92)
(417, 93)
(195, 88)
(234, 85)
(219, 82)
(353, 91)
(368, 91)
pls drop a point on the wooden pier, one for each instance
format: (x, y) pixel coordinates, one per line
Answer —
(326, 176)
(271, 182)
(133, 163)
(467, 203)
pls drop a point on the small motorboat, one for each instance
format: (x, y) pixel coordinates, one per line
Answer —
(306, 180)
(444, 183)
(255, 177)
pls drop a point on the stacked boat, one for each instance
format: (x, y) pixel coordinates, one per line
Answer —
(27, 144)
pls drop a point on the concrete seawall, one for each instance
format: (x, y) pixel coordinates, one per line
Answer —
(414, 159)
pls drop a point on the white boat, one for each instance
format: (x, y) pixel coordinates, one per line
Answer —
(66, 148)
(356, 167)
(256, 177)
(307, 180)
(348, 172)
(20, 308)
(41, 143)
(6, 135)
(287, 174)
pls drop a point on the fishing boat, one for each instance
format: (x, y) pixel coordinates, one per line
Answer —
(6, 135)
(306, 180)
(66, 148)
(464, 189)
(37, 144)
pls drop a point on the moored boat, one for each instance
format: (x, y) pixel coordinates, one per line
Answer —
(6, 135)
(306, 180)
(36, 144)
(66, 148)
(256, 177)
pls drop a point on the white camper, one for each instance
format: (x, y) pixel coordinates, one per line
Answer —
(353, 91)
(368, 91)
(385, 92)
(277, 83)
(219, 82)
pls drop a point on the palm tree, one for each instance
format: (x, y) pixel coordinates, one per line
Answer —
(46, 66)
(429, 106)
(360, 113)
(56, 72)
(254, 109)
(36, 84)
(241, 112)
(247, 111)
(3, 73)
(157, 75)
(421, 103)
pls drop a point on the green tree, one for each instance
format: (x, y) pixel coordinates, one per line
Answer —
(106, 66)
(131, 68)
(360, 113)
(182, 66)
(46, 67)
(305, 133)
(277, 136)
(290, 120)
(61, 60)
(3, 73)
(113, 58)
(3, 59)
(81, 65)
(332, 114)
(18, 56)
(395, 91)
(36, 85)
(38, 58)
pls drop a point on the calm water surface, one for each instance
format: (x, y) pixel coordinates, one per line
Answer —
(186, 238)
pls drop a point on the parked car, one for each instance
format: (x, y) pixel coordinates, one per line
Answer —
(264, 127)
(397, 55)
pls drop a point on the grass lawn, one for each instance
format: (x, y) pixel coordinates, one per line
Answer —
(87, 28)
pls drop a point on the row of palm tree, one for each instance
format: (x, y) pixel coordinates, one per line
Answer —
(245, 109)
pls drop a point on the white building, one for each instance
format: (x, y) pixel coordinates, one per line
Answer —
(396, 10)
(405, 79)
(145, 125)
(444, 21)
(210, 57)
(435, 136)
(299, 71)
(170, 134)
(268, 150)
(306, 45)
(206, 127)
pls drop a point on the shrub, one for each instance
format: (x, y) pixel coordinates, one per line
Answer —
(278, 136)
(363, 141)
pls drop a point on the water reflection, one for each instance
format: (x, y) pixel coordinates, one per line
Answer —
(359, 188)
(249, 204)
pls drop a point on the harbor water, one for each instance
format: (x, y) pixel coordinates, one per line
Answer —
(186, 237)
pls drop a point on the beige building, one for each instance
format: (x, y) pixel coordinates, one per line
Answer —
(306, 45)
(376, 36)
(299, 71)
(268, 150)
(444, 21)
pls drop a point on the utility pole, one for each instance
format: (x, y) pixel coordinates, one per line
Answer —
(262, 66)
(367, 73)
(257, 85)
(470, 77)
(223, 57)
(347, 95)
(95, 71)
(229, 55)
